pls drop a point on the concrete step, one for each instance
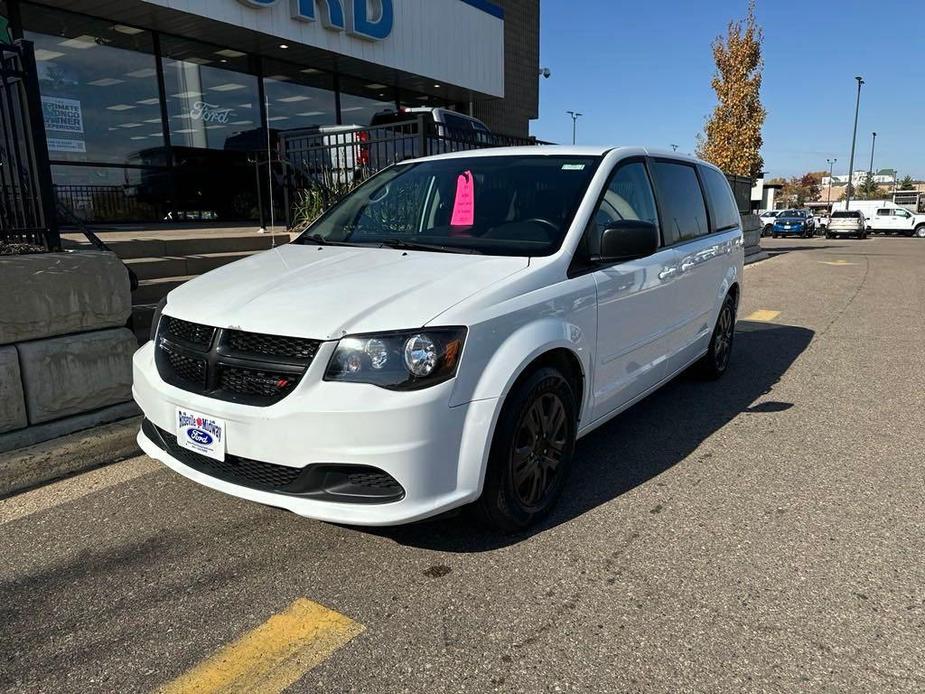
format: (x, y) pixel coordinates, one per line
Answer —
(194, 245)
(153, 290)
(180, 266)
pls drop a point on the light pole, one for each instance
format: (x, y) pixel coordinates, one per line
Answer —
(575, 116)
(831, 163)
(854, 138)
(873, 145)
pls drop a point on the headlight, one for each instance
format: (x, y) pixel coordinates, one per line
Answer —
(407, 360)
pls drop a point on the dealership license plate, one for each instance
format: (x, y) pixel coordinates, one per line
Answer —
(201, 433)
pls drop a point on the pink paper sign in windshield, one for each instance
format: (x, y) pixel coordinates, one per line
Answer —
(464, 207)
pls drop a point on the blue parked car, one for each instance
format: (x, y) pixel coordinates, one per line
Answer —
(794, 223)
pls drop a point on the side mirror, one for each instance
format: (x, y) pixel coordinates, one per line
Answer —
(628, 240)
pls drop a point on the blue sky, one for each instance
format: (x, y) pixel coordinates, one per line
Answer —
(641, 71)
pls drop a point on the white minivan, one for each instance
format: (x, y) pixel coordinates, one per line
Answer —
(444, 334)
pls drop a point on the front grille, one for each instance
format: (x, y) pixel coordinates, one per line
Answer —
(356, 484)
(186, 369)
(273, 346)
(233, 365)
(184, 331)
(265, 384)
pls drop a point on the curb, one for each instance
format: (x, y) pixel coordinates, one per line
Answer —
(757, 257)
(44, 462)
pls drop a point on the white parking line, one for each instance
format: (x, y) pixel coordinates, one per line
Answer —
(74, 488)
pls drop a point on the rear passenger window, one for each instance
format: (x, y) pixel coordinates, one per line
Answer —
(684, 214)
(722, 204)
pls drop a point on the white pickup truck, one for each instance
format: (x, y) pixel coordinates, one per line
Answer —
(898, 220)
(885, 217)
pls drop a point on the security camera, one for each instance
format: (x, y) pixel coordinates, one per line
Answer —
(546, 73)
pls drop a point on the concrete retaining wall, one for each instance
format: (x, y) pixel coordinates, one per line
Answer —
(68, 375)
(65, 359)
(12, 402)
(62, 294)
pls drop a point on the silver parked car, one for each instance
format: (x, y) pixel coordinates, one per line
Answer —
(847, 223)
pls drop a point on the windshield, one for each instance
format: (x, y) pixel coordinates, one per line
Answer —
(846, 215)
(502, 205)
(791, 213)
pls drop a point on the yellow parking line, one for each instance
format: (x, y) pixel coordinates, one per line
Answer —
(273, 656)
(763, 315)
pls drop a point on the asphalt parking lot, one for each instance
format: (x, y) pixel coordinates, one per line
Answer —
(762, 533)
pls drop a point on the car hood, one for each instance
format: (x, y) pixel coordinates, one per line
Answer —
(330, 291)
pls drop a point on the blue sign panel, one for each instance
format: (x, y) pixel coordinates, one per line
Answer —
(352, 16)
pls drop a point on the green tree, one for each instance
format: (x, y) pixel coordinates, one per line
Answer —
(907, 183)
(732, 136)
(869, 189)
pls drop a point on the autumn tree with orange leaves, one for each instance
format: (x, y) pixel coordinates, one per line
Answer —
(732, 136)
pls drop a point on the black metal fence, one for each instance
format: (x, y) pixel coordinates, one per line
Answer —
(328, 161)
(27, 212)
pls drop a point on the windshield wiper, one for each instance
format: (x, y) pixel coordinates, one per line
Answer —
(403, 245)
(319, 240)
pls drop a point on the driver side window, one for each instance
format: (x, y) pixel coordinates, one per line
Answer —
(628, 197)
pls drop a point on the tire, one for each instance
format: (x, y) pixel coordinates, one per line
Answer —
(920, 231)
(829, 236)
(531, 452)
(716, 361)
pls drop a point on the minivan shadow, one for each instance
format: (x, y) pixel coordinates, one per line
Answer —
(644, 441)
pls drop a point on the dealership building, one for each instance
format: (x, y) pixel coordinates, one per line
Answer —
(134, 90)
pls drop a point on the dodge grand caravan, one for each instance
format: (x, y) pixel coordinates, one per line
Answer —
(443, 335)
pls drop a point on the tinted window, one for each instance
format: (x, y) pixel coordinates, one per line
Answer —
(628, 196)
(722, 204)
(884, 212)
(846, 215)
(684, 215)
(457, 124)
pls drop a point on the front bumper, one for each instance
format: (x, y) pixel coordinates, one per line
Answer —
(437, 453)
(784, 232)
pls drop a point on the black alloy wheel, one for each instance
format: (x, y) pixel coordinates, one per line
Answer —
(531, 452)
(539, 444)
(716, 361)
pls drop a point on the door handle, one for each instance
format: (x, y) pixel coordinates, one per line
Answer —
(667, 272)
(687, 266)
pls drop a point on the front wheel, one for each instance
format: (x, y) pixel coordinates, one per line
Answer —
(715, 362)
(920, 232)
(531, 452)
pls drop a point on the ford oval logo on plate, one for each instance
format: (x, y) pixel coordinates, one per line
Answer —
(201, 433)
(200, 437)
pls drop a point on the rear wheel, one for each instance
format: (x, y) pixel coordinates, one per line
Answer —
(716, 360)
(531, 453)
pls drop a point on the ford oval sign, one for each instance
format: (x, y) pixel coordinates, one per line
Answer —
(200, 437)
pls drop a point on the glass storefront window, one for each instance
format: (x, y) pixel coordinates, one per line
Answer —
(298, 97)
(360, 101)
(212, 95)
(98, 85)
